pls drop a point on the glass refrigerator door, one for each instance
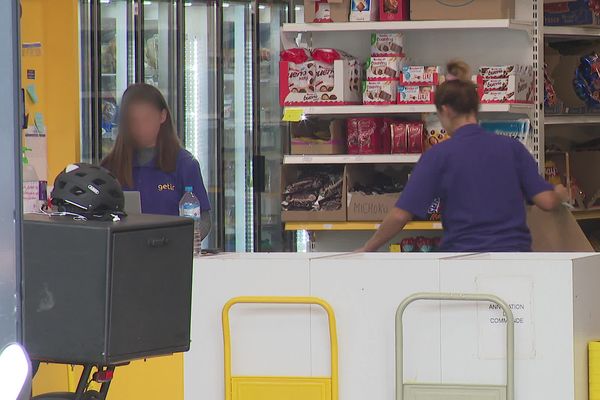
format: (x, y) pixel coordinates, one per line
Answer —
(272, 135)
(159, 46)
(108, 41)
(237, 125)
(201, 122)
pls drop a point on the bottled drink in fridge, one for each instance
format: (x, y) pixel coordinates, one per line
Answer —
(189, 207)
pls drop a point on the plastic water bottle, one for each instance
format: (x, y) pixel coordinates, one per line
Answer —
(189, 207)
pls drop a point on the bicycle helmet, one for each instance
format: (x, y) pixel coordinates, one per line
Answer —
(88, 190)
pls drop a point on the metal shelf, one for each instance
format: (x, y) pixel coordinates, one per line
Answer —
(358, 226)
(572, 119)
(410, 26)
(405, 109)
(586, 215)
(353, 159)
(572, 31)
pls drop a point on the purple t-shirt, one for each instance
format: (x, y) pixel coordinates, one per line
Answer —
(483, 181)
(161, 191)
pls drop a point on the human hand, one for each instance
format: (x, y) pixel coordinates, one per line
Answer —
(562, 192)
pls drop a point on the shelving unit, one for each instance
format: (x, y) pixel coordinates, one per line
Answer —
(406, 109)
(411, 26)
(353, 159)
(572, 119)
(572, 32)
(358, 226)
(587, 215)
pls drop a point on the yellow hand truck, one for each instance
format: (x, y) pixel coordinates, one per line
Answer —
(441, 391)
(276, 387)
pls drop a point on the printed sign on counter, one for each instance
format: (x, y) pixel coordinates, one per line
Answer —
(517, 291)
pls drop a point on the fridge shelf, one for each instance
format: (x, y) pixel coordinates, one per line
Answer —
(358, 226)
(508, 24)
(352, 159)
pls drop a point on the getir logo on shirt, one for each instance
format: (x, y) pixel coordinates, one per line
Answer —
(166, 186)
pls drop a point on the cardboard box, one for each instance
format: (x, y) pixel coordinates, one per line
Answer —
(326, 10)
(416, 94)
(387, 44)
(362, 207)
(346, 88)
(513, 89)
(394, 10)
(556, 231)
(379, 92)
(364, 10)
(427, 10)
(290, 174)
(384, 68)
(577, 12)
(335, 145)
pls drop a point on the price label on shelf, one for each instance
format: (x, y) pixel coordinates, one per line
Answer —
(293, 114)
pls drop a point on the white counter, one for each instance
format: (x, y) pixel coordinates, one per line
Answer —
(553, 296)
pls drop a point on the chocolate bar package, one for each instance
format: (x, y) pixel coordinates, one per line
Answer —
(379, 92)
(413, 75)
(384, 68)
(416, 94)
(364, 10)
(387, 44)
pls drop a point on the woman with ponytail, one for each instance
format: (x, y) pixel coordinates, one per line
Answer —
(483, 180)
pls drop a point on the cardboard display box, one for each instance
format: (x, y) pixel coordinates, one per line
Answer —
(335, 145)
(289, 174)
(556, 231)
(326, 10)
(362, 207)
(346, 86)
(570, 12)
(427, 10)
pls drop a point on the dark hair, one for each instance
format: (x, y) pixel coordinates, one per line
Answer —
(458, 92)
(120, 160)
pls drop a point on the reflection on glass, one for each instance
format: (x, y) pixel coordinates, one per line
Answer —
(159, 47)
(272, 129)
(237, 142)
(116, 67)
(201, 123)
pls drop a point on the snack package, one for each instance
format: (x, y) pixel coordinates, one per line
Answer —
(407, 137)
(587, 80)
(416, 94)
(324, 71)
(504, 71)
(414, 137)
(513, 89)
(394, 10)
(355, 75)
(387, 44)
(434, 131)
(408, 245)
(352, 135)
(301, 70)
(516, 129)
(364, 10)
(384, 68)
(322, 11)
(373, 135)
(379, 92)
(399, 131)
(413, 75)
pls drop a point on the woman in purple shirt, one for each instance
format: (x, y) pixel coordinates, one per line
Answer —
(483, 180)
(148, 157)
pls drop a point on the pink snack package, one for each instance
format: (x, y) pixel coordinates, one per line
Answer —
(352, 135)
(373, 135)
(399, 136)
(415, 137)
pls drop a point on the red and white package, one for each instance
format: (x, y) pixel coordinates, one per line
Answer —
(384, 68)
(301, 77)
(352, 135)
(324, 71)
(379, 92)
(504, 71)
(415, 137)
(513, 89)
(295, 55)
(416, 94)
(387, 44)
(399, 132)
(322, 11)
(420, 76)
